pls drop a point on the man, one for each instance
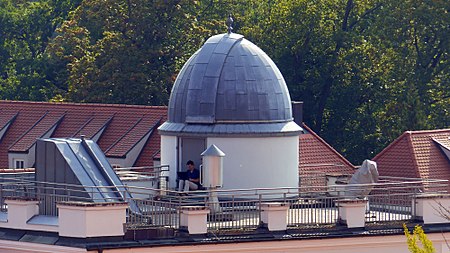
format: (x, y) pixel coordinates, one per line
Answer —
(192, 180)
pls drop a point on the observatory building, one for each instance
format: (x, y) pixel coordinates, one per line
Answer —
(231, 94)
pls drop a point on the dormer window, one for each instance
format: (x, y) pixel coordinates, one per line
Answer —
(19, 163)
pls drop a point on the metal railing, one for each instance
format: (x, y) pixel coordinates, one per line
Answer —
(156, 175)
(390, 202)
(238, 210)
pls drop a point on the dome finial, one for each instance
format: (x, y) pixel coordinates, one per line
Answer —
(229, 23)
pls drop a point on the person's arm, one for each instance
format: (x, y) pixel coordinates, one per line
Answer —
(194, 180)
(195, 177)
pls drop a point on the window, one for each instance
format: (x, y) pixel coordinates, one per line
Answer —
(19, 164)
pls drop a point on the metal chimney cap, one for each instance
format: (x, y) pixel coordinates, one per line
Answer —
(213, 150)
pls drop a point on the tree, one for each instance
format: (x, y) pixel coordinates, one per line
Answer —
(124, 51)
(26, 27)
(366, 70)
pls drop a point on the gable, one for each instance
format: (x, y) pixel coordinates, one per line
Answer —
(397, 160)
(417, 154)
(431, 161)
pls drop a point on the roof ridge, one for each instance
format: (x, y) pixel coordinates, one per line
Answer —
(439, 142)
(7, 125)
(9, 121)
(391, 145)
(429, 131)
(414, 153)
(82, 104)
(327, 145)
(56, 123)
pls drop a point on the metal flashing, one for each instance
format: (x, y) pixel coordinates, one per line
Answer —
(237, 129)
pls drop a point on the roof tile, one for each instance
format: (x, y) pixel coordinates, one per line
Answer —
(38, 130)
(414, 154)
(86, 119)
(318, 157)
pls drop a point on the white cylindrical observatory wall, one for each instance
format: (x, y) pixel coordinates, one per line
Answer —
(258, 162)
(169, 157)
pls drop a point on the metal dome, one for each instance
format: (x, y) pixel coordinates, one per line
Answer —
(229, 81)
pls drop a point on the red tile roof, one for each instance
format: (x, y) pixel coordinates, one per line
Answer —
(91, 124)
(317, 157)
(150, 151)
(37, 130)
(34, 119)
(124, 126)
(6, 117)
(135, 133)
(416, 154)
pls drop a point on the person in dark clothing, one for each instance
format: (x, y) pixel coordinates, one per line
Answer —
(192, 180)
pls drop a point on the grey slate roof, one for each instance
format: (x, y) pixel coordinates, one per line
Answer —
(229, 80)
(230, 87)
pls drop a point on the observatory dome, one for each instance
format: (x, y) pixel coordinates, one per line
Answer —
(230, 86)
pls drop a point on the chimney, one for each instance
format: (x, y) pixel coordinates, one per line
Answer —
(297, 112)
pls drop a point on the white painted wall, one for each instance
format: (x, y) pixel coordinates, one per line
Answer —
(366, 244)
(169, 157)
(257, 162)
(120, 162)
(26, 157)
(28, 247)
(94, 220)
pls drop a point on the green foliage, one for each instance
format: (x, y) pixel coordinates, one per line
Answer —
(418, 235)
(367, 70)
(25, 29)
(123, 51)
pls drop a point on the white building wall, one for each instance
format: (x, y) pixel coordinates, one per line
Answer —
(366, 244)
(372, 244)
(117, 162)
(257, 162)
(26, 157)
(169, 157)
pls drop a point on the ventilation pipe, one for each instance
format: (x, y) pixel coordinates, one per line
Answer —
(212, 169)
(212, 172)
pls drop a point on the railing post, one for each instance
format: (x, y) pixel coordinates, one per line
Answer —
(260, 208)
(193, 219)
(76, 219)
(352, 212)
(274, 216)
(432, 208)
(20, 210)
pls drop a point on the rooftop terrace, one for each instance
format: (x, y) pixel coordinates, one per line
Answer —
(311, 211)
